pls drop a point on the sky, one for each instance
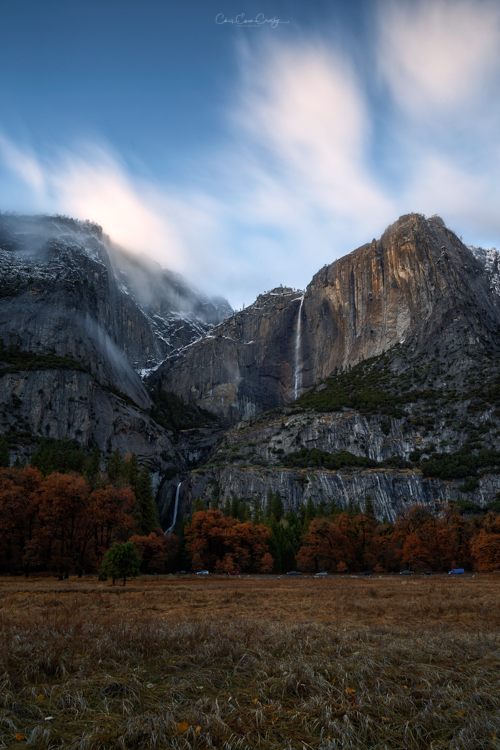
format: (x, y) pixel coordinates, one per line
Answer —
(246, 143)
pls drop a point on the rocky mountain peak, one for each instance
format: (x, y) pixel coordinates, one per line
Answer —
(417, 284)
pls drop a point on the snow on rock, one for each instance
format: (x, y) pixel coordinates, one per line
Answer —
(490, 260)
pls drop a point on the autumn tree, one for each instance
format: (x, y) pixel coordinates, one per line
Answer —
(156, 550)
(19, 516)
(62, 537)
(326, 545)
(458, 533)
(485, 545)
(197, 562)
(362, 530)
(420, 539)
(110, 511)
(226, 565)
(212, 537)
(266, 564)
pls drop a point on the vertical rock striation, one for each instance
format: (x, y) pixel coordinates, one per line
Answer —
(419, 283)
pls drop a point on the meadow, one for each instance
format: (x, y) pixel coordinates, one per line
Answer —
(257, 662)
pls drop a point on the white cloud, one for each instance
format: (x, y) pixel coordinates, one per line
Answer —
(438, 54)
(292, 185)
(303, 110)
(288, 191)
(24, 164)
(90, 183)
(468, 199)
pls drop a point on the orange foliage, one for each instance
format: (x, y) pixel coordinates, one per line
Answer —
(19, 503)
(224, 544)
(486, 545)
(327, 545)
(422, 540)
(56, 522)
(156, 550)
(266, 564)
(111, 511)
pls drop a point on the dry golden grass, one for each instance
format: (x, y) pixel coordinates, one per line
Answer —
(178, 662)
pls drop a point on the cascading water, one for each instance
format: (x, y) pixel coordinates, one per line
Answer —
(177, 493)
(298, 371)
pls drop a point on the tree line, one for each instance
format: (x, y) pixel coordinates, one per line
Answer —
(67, 522)
(329, 538)
(54, 518)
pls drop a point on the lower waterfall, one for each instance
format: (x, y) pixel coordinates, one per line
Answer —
(177, 493)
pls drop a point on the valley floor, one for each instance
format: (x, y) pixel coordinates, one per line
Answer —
(258, 662)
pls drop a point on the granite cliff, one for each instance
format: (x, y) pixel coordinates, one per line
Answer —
(79, 320)
(379, 381)
(419, 284)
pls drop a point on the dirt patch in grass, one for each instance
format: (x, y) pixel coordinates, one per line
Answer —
(253, 663)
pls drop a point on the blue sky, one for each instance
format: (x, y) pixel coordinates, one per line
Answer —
(248, 155)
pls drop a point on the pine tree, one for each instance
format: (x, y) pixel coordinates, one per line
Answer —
(277, 506)
(369, 511)
(235, 507)
(214, 503)
(227, 507)
(334, 510)
(310, 512)
(199, 505)
(131, 471)
(4, 452)
(288, 556)
(269, 503)
(114, 467)
(145, 512)
(93, 467)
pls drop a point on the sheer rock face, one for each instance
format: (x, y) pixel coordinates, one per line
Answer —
(66, 290)
(391, 492)
(249, 461)
(65, 287)
(245, 365)
(418, 283)
(70, 404)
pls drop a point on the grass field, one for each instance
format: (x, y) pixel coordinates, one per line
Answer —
(184, 662)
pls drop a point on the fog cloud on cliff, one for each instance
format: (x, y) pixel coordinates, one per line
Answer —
(322, 145)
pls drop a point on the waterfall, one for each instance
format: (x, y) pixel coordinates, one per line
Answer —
(298, 373)
(177, 493)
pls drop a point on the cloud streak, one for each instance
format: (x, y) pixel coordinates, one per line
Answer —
(438, 56)
(294, 183)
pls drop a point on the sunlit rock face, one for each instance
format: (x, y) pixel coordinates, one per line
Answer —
(419, 284)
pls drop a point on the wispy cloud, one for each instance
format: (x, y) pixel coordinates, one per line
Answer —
(438, 55)
(293, 183)
(441, 62)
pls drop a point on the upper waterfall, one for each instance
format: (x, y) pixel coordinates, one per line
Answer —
(298, 371)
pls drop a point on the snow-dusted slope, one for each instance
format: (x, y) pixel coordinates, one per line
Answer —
(177, 313)
(62, 283)
(490, 260)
